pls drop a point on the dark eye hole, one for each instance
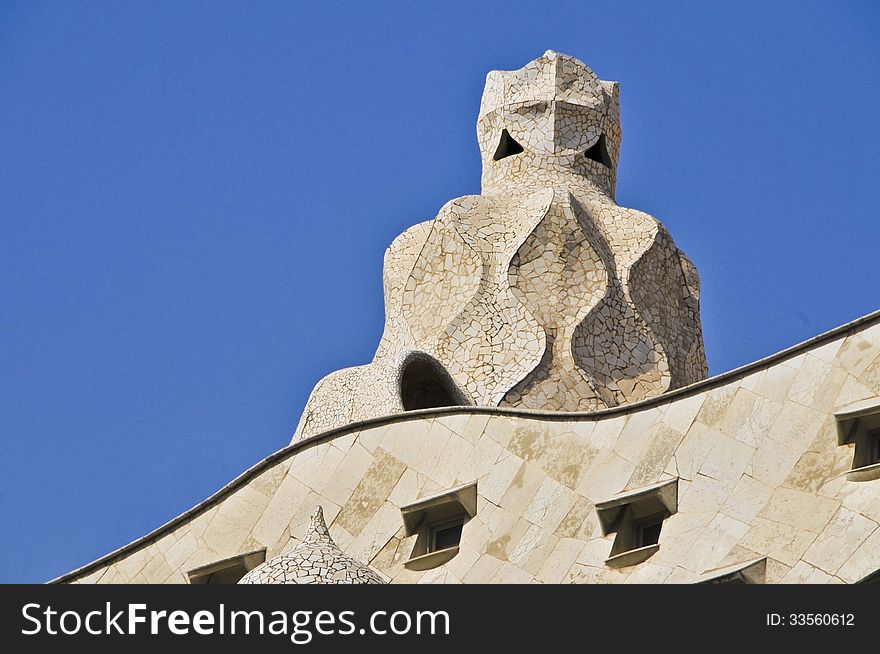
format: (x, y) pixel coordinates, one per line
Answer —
(599, 152)
(507, 146)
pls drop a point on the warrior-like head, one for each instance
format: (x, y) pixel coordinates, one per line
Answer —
(552, 118)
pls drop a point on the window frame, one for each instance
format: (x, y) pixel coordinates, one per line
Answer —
(205, 573)
(639, 526)
(874, 439)
(438, 526)
(858, 427)
(429, 515)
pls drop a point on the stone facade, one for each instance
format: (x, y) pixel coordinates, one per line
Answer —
(541, 292)
(760, 476)
(587, 446)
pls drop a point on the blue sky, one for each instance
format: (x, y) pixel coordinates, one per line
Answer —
(195, 199)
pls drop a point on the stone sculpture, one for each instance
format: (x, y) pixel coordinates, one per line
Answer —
(540, 293)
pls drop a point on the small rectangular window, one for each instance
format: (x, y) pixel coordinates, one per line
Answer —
(227, 571)
(439, 522)
(647, 531)
(637, 516)
(858, 426)
(445, 535)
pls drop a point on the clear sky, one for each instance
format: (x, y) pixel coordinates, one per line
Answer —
(195, 199)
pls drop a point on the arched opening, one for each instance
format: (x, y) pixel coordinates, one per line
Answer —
(425, 385)
(507, 146)
(599, 152)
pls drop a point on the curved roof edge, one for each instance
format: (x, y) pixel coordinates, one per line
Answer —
(718, 380)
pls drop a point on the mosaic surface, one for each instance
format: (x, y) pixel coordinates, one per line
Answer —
(316, 560)
(541, 292)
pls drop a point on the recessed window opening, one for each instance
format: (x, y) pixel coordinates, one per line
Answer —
(858, 426)
(647, 530)
(876, 447)
(443, 536)
(227, 571)
(637, 516)
(599, 152)
(507, 146)
(424, 385)
(438, 522)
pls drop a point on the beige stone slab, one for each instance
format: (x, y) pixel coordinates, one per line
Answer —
(580, 521)
(757, 422)
(606, 432)
(268, 480)
(481, 462)
(809, 380)
(181, 551)
(680, 414)
(495, 483)
(637, 434)
(522, 552)
(680, 534)
(307, 465)
(474, 428)
(371, 492)
(854, 390)
(812, 471)
(550, 505)
(694, 449)
(506, 536)
(564, 456)
(783, 542)
(606, 476)
(453, 459)
(864, 561)
(716, 540)
(737, 412)
(522, 489)
(511, 574)
(502, 428)
(772, 462)
(560, 560)
(803, 510)
(371, 437)
(657, 454)
(796, 426)
(747, 499)
(404, 441)
(584, 574)
(863, 498)
(381, 528)
(483, 570)
(275, 520)
(649, 573)
(804, 573)
(839, 540)
(775, 571)
(727, 460)
(461, 564)
(775, 382)
(234, 519)
(715, 405)
(704, 494)
(856, 354)
(349, 470)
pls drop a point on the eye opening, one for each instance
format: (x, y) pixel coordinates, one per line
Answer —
(599, 152)
(507, 146)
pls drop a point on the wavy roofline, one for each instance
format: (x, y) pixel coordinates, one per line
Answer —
(844, 330)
